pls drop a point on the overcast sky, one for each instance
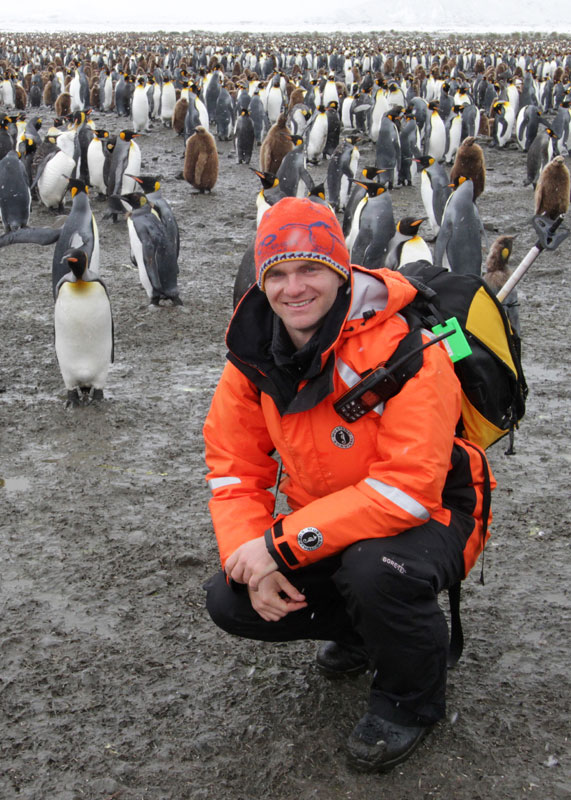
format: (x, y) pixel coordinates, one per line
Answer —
(263, 15)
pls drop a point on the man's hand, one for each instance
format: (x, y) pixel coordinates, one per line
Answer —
(268, 600)
(250, 563)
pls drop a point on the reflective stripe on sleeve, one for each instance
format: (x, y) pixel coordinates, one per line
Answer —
(399, 498)
(351, 378)
(217, 483)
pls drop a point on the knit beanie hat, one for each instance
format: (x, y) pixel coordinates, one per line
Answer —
(295, 229)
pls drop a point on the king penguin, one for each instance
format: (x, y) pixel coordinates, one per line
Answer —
(83, 325)
(341, 170)
(387, 148)
(372, 228)
(151, 186)
(244, 137)
(153, 251)
(407, 245)
(53, 175)
(459, 242)
(79, 231)
(140, 107)
(294, 179)
(125, 159)
(434, 189)
(15, 195)
(316, 135)
(434, 133)
(96, 161)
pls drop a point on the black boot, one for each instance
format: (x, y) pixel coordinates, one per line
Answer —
(377, 745)
(338, 660)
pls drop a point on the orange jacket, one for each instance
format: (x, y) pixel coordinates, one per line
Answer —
(344, 482)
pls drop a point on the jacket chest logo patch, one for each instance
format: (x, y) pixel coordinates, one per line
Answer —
(341, 437)
(309, 538)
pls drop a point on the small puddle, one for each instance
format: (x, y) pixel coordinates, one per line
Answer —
(15, 484)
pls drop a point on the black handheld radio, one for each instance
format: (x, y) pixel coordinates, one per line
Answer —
(378, 386)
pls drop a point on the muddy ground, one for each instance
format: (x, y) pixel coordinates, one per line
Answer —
(114, 682)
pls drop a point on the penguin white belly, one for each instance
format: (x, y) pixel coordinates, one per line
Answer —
(137, 254)
(426, 196)
(83, 334)
(53, 182)
(437, 141)
(346, 112)
(76, 103)
(275, 102)
(95, 164)
(140, 110)
(133, 167)
(381, 107)
(262, 205)
(330, 93)
(317, 138)
(455, 138)
(202, 113)
(415, 249)
(355, 224)
(505, 137)
(168, 100)
(108, 95)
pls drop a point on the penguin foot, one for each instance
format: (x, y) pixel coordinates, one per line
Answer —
(73, 399)
(96, 396)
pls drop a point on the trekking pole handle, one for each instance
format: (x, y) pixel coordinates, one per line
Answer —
(518, 273)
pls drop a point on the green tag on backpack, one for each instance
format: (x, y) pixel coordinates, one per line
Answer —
(456, 344)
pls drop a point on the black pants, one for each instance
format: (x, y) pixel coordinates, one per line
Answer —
(380, 592)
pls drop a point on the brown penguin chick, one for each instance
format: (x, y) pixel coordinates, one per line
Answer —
(179, 114)
(296, 97)
(47, 93)
(497, 271)
(201, 160)
(552, 190)
(484, 129)
(94, 96)
(62, 105)
(275, 146)
(469, 163)
(20, 97)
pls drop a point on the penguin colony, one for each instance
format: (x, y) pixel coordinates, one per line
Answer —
(377, 113)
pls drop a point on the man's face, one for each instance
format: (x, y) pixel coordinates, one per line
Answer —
(301, 293)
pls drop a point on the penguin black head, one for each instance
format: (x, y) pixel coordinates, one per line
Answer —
(127, 135)
(148, 183)
(101, 133)
(297, 140)
(75, 186)
(269, 180)
(77, 261)
(317, 192)
(409, 225)
(372, 188)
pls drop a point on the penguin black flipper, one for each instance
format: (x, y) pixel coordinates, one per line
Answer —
(42, 236)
